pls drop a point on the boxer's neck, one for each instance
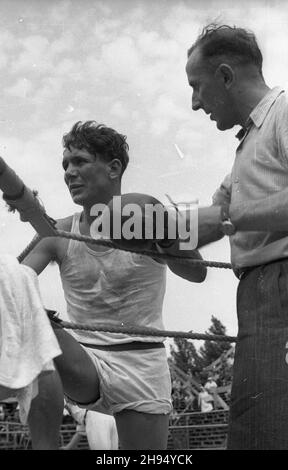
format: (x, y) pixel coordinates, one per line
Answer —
(86, 217)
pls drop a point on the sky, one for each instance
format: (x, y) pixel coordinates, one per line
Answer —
(122, 63)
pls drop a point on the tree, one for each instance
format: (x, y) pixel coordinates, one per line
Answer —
(185, 365)
(186, 357)
(225, 368)
(212, 350)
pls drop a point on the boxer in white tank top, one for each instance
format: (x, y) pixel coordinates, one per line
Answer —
(118, 374)
(112, 286)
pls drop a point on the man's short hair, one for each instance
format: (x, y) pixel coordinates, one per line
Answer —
(223, 41)
(99, 140)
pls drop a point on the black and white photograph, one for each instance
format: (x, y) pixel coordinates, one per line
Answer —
(143, 228)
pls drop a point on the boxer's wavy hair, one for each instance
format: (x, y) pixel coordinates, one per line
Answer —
(99, 140)
(239, 45)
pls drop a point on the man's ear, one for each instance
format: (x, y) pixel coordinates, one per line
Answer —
(226, 74)
(115, 168)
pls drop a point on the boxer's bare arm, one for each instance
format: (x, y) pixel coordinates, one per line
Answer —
(49, 249)
(41, 255)
(189, 271)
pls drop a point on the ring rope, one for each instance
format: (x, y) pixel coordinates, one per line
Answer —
(144, 331)
(109, 244)
(29, 248)
(153, 254)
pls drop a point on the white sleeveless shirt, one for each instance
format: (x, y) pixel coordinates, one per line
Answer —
(115, 287)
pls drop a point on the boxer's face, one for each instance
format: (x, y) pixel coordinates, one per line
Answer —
(209, 92)
(87, 176)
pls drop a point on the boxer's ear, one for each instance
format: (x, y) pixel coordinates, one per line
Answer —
(115, 168)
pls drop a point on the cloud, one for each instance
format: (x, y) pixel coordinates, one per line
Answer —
(122, 57)
(21, 88)
(7, 43)
(164, 112)
(38, 54)
(35, 50)
(118, 109)
(60, 11)
(7, 40)
(3, 60)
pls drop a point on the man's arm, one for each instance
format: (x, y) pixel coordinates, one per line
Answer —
(73, 442)
(268, 215)
(209, 230)
(41, 255)
(209, 218)
(48, 249)
(209, 225)
(189, 271)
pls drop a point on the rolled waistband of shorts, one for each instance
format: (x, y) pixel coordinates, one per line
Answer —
(243, 272)
(125, 346)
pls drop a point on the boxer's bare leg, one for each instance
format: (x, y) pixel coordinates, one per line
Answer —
(46, 411)
(141, 431)
(76, 375)
(76, 369)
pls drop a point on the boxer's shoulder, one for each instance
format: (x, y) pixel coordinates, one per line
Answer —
(65, 223)
(59, 245)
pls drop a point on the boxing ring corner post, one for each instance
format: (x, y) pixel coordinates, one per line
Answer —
(21, 198)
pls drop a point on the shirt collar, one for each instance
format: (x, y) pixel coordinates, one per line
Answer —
(260, 112)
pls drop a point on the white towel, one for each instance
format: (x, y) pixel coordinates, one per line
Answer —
(27, 341)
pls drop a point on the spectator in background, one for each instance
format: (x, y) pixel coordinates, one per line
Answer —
(176, 394)
(2, 413)
(80, 418)
(67, 418)
(204, 401)
(211, 387)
